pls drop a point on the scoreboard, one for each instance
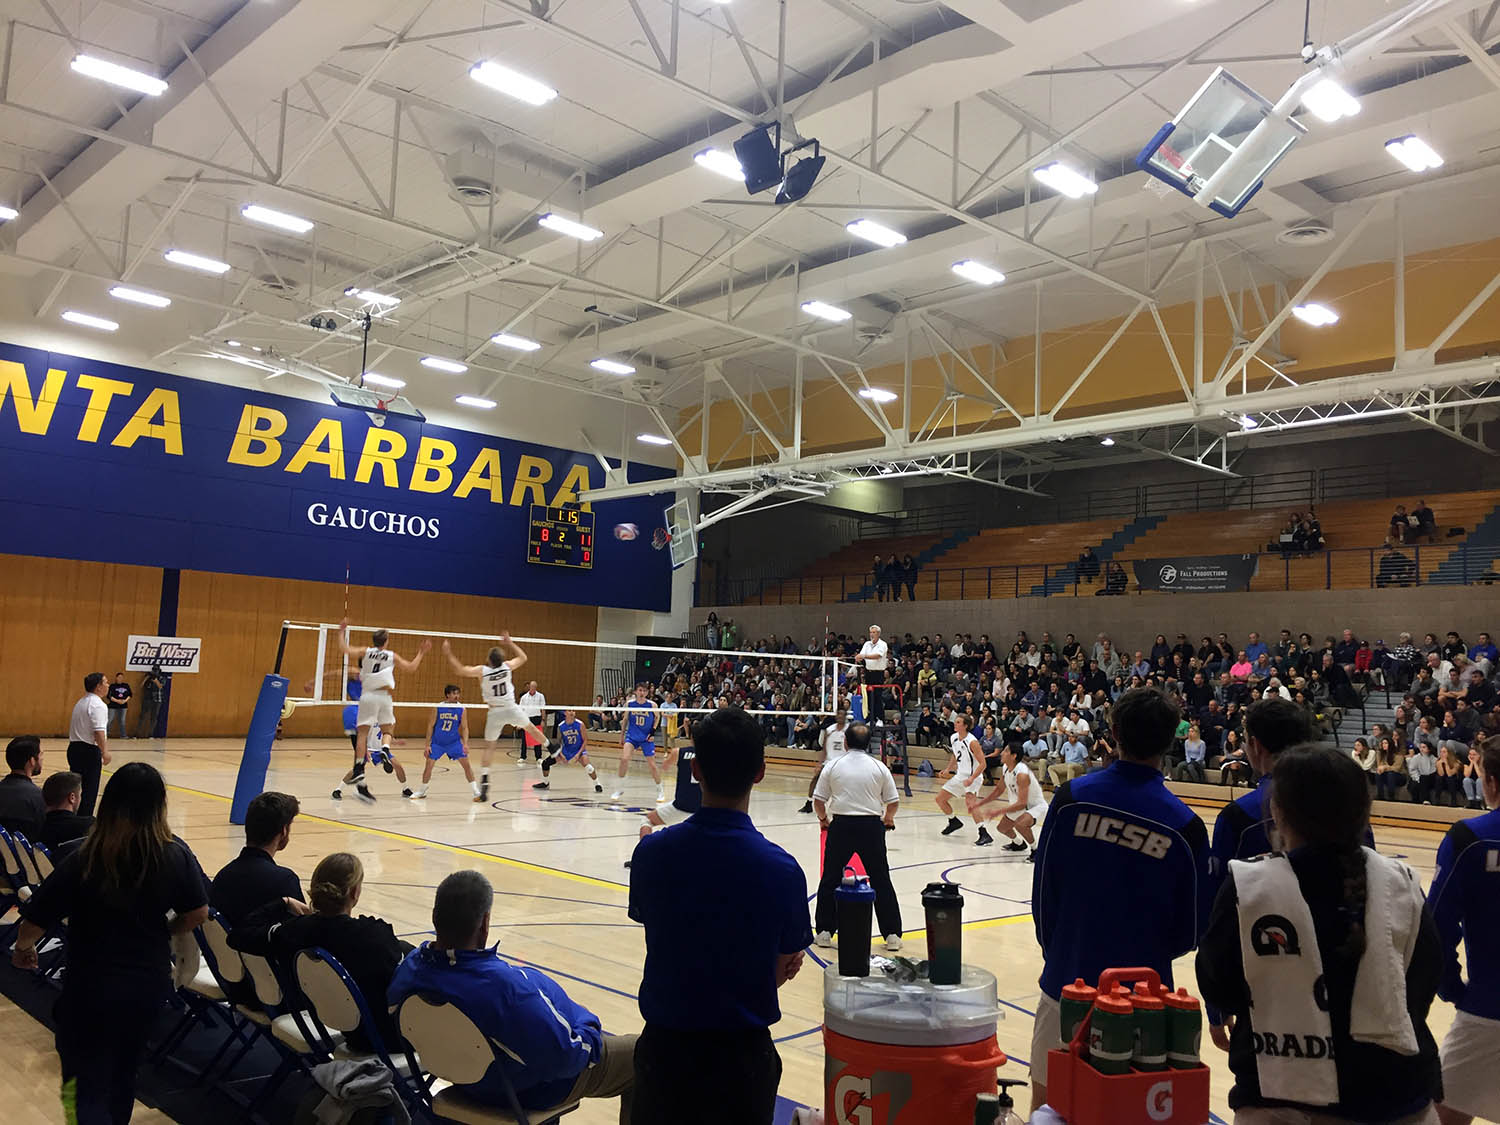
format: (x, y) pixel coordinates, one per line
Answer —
(561, 537)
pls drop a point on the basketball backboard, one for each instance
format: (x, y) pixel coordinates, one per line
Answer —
(378, 405)
(684, 542)
(1225, 126)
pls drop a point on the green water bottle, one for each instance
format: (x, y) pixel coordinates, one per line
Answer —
(1184, 1029)
(1076, 1000)
(1150, 1051)
(1112, 1033)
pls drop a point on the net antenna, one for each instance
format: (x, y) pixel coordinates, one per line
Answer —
(682, 533)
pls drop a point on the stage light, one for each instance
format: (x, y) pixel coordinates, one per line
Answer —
(438, 363)
(721, 162)
(89, 321)
(977, 272)
(512, 83)
(613, 367)
(799, 181)
(1414, 152)
(1107, 441)
(258, 214)
(196, 261)
(516, 343)
(475, 401)
(7, 213)
(370, 297)
(139, 297)
(653, 439)
(877, 394)
(383, 381)
(1319, 316)
(1328, 101)
(759, 160)
(564, 225)
(871, 231)
(1067, 181)
(824, 311)
(117, 75)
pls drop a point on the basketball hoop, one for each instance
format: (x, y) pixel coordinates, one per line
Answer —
(660, 538)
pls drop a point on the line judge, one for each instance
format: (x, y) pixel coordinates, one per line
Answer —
(862, 795)
(875, 657)
(88, 742)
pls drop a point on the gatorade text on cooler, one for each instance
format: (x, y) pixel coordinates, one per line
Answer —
(1112, 1033)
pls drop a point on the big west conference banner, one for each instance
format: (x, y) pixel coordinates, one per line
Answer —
(1205, 574)
(120, 464)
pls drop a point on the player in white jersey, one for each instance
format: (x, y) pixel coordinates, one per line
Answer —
(1022, 808)
(830, 750)
(377, 675)
(965, 774)
(497, 686)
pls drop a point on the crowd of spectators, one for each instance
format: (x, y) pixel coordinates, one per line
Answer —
(1301, 534)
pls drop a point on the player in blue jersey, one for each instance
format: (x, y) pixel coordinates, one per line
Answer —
(447, 737)
(572, 747)
(1465, 903)
(641, 722)
(686, 800)
(379, 752)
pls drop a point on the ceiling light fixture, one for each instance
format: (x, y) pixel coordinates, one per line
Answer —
(89, 321)
(721, 162)
(877, 394)
(139, 297)
(824, 311)
(117, 75)
(977, 272)
(1328, 101)
(7, 213)
(1107, 441)
(570, 227)
(258, 214)
(232, 343)
(475, 401)
(516, 343)
(1414, 152)
(1068, 181)
(438, 363)
(512, 83)
(383, 381)
(871, 231)
(653, 439)
(1247, 422)
(196, 261)
(370, 297)
(1319, 316)
(613, 367)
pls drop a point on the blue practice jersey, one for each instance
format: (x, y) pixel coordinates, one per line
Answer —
(1465, 902)
(1121, 868)
(689, 796)
(571, 737)
(450, 724)
(640, 720)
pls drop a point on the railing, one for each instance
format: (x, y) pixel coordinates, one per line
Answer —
(1351, 568)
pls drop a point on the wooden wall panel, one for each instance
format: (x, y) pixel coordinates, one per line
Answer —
(239, 618)
(61, 619)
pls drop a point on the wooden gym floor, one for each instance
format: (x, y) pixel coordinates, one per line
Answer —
(555, 859)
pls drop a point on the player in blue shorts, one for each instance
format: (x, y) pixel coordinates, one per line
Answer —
(687, 799)
(572, 747)
(641, 721)
(447, 737)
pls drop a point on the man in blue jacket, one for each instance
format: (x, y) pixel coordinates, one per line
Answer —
(1465, 903)
(1120, 870)
(551, 1049)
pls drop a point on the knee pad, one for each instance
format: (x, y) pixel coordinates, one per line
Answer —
(549, 761)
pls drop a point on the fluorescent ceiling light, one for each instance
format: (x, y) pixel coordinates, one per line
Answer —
(383, 381)
(871, 231)
(117, 75)
(653, 439)
(724, 163)
(232, 343)
(7, 213)
(564, 225)
(825, 311)
(438, 363)
(877, 394)
(517, 343)
(1414, 152)
(258, 214)
(89, 321)
(139, 297)
(1107, 441)
(370, 297)
(475, 401)
(512, 83)
(1319, 316)
(1328, 101)
(1068, 181)
(1247, 422)
(977, 272)
(196, 261)
(614, 367)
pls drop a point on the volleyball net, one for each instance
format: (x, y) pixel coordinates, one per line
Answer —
(573, 675)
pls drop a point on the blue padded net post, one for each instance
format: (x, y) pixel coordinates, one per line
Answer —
(256, 759)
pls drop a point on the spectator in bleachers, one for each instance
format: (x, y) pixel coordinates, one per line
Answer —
(927, 727)
(64, 828)
(1423, 523)
(1390, 769)
(877, 578)
(1484, 650)
(1335, 678)
(909, 568)
(1480, 694)
(1396, 568)
(1450, 777)
(1256, 648)
(1073, 761)
(1421, 766)
(1233, 763)
(1140, 666)
(1364, 755)
(1472, 780)
(1401, 525)
(22, 808)
(1116, 582)
(1194, 757)
(1088, 564)
(254, 878)
(893, 578)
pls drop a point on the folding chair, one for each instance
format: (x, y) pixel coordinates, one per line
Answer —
(280, 1027)
(456, 1051)
(207, 996)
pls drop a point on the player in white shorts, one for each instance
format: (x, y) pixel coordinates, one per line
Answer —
(377, 675)
(965, 774)
(830, 750)
(1024, 806)
(498, 689)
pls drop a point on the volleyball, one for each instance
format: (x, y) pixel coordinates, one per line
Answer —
(626, 531)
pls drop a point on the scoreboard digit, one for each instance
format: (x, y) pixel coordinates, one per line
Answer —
(561, 537)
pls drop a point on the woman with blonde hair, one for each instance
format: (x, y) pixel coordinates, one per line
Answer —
(116, 892)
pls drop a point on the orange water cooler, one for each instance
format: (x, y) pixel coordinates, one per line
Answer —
(908, 1054)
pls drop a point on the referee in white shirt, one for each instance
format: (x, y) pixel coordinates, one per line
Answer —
(875, 655)
(856, 800)
(534, 707)
(88, 744)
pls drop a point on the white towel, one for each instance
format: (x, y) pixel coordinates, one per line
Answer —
(1290, 1027)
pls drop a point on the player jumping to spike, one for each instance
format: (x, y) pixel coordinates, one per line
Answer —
(573, 747)
(377, 674)
(447, 737)
(641, 720)
(497, 686)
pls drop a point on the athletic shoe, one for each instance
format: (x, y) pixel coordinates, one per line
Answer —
(416, 794)
(482, 799)
(617, 794)
(600, 789)
(407, 793)
(1014, 846)
(385, 764)
(661, 794)
(985, 839)
(807, 807)
(954, 825)
(521, 761)
(823, 939)
(338, 794)
(364, 792)
(484, 790)
(541, 785)
(893, 943)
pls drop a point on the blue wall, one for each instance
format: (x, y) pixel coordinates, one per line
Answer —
(119, 464)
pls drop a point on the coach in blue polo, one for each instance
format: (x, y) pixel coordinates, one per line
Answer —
(727, 924)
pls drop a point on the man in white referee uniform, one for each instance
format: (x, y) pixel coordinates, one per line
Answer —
(856, 802)
(534, 706)
(875, 656)
(88, 744)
